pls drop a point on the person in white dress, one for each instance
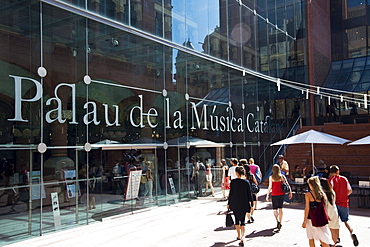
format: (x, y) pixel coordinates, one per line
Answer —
(331, 209)
(316, 197)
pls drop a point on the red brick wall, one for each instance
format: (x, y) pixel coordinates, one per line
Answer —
(354, 159)
(318, 45)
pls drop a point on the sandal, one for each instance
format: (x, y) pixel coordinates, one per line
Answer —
(279, 225)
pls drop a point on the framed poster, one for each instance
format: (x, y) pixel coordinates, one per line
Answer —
(55, 209)
(37, 189)
(133, 185)
(173, 189)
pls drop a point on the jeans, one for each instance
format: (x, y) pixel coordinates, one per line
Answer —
(149, 189)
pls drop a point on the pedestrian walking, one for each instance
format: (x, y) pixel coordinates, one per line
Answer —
(209, 180)
(277, 195)
(240, 201)
(234, 164)
(315, 217)
(331, 209)
(255, 170)
(201, 176)
(150, 181)
(284, 169)
(195, 177)
(8, 183)
(225, 178)
(253, 182)
(342, 189)
(23, 194)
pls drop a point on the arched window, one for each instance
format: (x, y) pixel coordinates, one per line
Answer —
(274, 64)
(273, 49)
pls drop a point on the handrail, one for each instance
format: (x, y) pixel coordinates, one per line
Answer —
(268, 145)
(293, 129)
(291, 132)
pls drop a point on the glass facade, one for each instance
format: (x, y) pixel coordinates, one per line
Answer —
(351, 75)
(104, 104)
(349, 70)
(349, 28)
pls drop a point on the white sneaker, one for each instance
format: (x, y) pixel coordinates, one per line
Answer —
(286, 203)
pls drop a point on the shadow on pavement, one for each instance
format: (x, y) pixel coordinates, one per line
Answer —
(222, 228)
(223, 244)
(263, 233)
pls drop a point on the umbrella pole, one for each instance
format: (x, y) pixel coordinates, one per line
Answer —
(313, 160)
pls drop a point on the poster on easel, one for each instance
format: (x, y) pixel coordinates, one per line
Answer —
(55, 209)
(70, 174)
(71, 190)
(133, 185)
(173, 189)
(37, 189)
(71, 186)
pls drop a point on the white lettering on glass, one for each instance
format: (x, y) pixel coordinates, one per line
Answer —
(18, 96)
(209, 118)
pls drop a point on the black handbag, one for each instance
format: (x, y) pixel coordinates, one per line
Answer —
(229, 219)
(254, 188)
(285, 187)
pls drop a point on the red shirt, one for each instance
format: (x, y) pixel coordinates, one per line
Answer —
(277, 189)
(341, 187)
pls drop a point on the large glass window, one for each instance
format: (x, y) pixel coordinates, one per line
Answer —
(112, 113)
(354, 8)
(356, 42)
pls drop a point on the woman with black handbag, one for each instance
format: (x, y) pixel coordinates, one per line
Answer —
(240, 201)
(276, 181)
(315, 215)
(254, 189)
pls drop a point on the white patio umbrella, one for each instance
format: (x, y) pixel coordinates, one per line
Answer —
(363, 141)
(193, 141)
(107, 141)
(312, 137)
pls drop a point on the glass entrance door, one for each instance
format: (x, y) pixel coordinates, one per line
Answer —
(192, 172)
(125, 179)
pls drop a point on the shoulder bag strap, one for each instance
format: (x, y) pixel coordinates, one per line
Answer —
(313, 196)
(285, 180)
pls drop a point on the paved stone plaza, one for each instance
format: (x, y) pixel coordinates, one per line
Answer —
(199, 223)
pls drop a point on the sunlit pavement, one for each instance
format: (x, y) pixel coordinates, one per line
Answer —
(200, 223)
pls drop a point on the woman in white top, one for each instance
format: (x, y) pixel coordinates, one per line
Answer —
(234, 163)
(331, 209)
(150, 180)
(209, 180)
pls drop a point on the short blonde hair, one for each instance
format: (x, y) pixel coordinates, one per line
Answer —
(149, 164)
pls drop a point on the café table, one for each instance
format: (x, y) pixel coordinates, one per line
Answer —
(298, 189)
(363, 196)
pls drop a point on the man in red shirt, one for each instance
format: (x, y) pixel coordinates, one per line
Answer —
(342, 189)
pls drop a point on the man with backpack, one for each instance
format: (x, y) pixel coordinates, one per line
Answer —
(255, 170)
(201, 176)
